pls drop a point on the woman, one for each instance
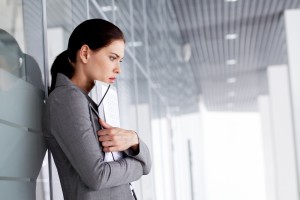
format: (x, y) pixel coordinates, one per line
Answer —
(72, 127)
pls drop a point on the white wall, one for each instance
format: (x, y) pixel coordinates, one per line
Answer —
(292, 27)
(269, 146)
(188, 162)
(162, 160)
(284, 141)
(233, 151)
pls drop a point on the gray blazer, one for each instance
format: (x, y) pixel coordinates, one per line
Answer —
(70, 124)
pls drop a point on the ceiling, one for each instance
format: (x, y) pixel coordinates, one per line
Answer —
(185, 52)
(259, 42)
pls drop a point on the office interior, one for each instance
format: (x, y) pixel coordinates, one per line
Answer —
(209, 85)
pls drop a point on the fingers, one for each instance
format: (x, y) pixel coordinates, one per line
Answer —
(117, 139)
(104, 124)
(111, 149)
(108, 131)
(109, 146)
(103, 138)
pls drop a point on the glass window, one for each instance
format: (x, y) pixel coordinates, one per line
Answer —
(23, 173)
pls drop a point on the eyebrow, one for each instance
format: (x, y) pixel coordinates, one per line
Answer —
(116, 55)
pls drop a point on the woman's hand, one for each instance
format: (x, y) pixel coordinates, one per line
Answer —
(117, 139)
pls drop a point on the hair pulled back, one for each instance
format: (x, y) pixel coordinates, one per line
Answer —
(95, 33)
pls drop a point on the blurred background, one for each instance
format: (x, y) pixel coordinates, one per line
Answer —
(209, 85)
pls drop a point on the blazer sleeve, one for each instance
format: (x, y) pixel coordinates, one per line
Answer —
(72, 128)
(143, 156)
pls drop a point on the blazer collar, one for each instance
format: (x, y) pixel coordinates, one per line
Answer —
(63, 80)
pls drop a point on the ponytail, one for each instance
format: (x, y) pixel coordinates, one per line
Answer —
(62, 65)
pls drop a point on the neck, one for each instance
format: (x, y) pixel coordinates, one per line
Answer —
(81, 81)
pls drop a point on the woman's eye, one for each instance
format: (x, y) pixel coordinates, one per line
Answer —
(112, 58)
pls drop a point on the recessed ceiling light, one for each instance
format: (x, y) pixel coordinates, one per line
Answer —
(231, 0)
(231, 36)
(231, 62)
(231, 94)
(231, 80)
(108, 8)
(135, 44)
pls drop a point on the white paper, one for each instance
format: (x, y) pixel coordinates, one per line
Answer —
(108, 111)
(111, 107)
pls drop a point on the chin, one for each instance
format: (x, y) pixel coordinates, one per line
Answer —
(104, 81)
(100, 79)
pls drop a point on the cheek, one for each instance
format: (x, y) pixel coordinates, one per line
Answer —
(96, 66)
(100, 63)
(101, 67)
(106, 66)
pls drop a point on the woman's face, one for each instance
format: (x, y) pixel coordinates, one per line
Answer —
(104, 64)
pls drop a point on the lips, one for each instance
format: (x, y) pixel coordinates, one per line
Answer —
(112, 79)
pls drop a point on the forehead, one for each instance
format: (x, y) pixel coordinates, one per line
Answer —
(116, 46)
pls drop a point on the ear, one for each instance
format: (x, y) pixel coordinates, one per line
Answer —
(84, 53)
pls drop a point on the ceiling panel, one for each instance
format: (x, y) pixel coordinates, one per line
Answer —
(174, 26)
(260, 42)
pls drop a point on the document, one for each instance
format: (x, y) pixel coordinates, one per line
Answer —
(108, 110)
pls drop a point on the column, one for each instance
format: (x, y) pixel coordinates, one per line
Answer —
(292, 27)
(282, 128)
(144, 130)
(269, 147)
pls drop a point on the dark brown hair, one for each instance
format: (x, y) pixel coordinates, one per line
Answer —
(96, 33)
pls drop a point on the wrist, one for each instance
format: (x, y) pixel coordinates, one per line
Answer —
(135, 145)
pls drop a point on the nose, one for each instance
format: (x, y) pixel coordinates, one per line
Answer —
(117, 69)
